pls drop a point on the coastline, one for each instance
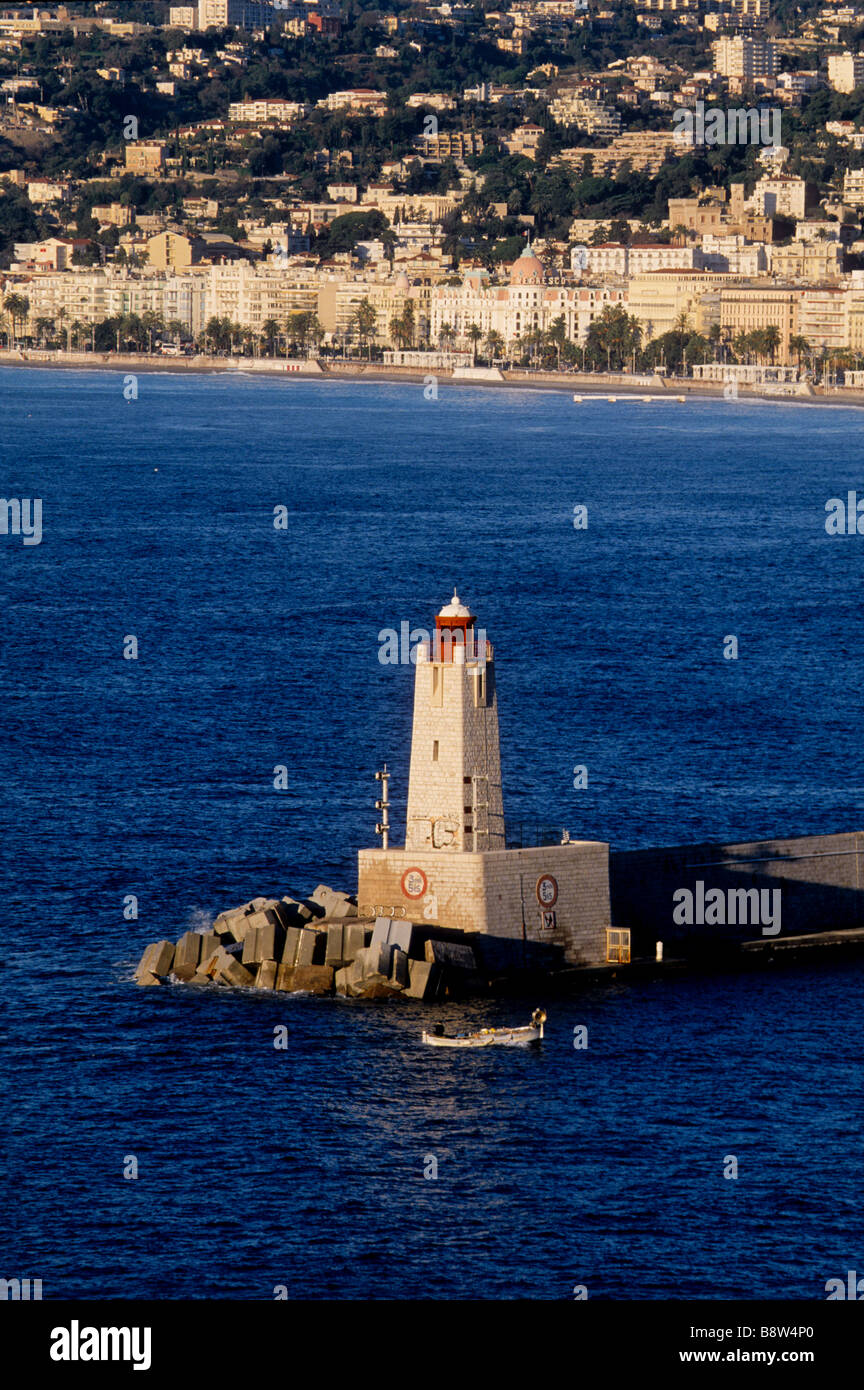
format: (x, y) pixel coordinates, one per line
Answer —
(574, 383)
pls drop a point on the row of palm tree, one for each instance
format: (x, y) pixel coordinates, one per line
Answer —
(613, 340)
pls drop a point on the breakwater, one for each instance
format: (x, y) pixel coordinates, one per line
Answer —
(319, 945)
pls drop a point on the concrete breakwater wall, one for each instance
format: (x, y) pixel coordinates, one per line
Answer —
(819, 879)
(319, 945)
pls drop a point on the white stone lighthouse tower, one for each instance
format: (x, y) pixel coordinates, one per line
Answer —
(454, 870)
(454, 789)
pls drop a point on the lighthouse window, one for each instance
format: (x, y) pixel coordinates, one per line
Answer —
(435, 751)
(480, 688)
(437, 685)
(618, 946)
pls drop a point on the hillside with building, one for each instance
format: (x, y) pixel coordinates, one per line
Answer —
(666, 184)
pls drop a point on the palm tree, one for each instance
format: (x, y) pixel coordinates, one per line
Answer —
(446, 335)
(270, 330)
(494, 344)
(152, 323)
(800, 347)
(365, 320)
(772, 339)
(43, 327)
(557, 336)
(474, 333)
(17, 308)
(315, 331)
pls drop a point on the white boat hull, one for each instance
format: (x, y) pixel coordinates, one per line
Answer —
(489, 1037)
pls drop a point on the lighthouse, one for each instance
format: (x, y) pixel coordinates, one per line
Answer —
(454, 790)
(455, 869)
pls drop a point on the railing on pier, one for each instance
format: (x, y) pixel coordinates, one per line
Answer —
(524, 834)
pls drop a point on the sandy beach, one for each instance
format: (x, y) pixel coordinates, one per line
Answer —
(577, 383)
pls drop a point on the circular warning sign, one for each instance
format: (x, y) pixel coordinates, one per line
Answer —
(414, 883)
(547, 890)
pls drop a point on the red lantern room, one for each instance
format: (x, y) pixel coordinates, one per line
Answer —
(454, 624)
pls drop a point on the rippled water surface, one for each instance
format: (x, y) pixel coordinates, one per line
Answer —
(259, 648)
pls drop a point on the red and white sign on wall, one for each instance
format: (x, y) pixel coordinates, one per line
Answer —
(547, 890)
(414, 883)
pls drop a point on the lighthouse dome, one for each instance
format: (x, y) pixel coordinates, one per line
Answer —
(455, 608)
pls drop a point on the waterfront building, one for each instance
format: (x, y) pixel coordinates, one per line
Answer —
(662, 299)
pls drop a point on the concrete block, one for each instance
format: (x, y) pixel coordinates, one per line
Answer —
(209, 966)
(353, 941)
(271, 939)
(254, 905)
(209, 943)
(230, 971)
(284, 978)
(381, 931)
(380, 959)
(314, 909)
(312, 948)
(335, 905)
(187, 955)
(240, 928)
(200, 978)
(251, 953)
(401, 935)
(451, 953)
(266, 977)
(224, 924)
(399, 968)
(257, 919)
(334, 950)
(299, 912)
(146, 978)
(376, 987)
(422, 980)
(292, 942)
(354, 978)
(157, 959)
(313, 979)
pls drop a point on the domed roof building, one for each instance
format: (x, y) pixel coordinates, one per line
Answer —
(527, 270)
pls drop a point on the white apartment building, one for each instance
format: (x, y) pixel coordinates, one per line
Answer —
(845, 71)
(612, 258)
(243, 14)
(733, 255)
(264, 110)
(247, 294)
(853, 188)
(744, 58)
(780, 195)
(569, 108)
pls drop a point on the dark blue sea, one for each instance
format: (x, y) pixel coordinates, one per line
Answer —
(257, 648)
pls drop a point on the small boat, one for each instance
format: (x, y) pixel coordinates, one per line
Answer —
(531, 1034)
